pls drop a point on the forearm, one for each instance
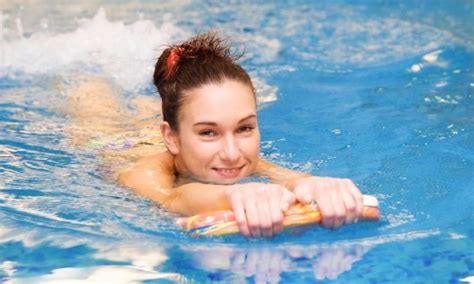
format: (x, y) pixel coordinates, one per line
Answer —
(154, 178)
(195, 198)
(187, 199)
(291, 182)
(279, 175)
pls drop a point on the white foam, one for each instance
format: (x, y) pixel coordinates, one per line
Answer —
(262, 49)
(401, 218)
(8, 267)
(456, 236)
(98, 274)
(126, 53)
(432, 57)
(140, 256)
(416, 68)
(265, 92)
(469, 279)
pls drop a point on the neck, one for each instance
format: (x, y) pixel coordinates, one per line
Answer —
(179, 167)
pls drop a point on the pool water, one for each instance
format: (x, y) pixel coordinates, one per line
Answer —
(382, 93)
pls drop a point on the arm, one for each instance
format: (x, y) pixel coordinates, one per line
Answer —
(258, 207)
(279, 175)
(154, 177)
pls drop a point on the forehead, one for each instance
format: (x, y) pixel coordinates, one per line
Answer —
(218, 102)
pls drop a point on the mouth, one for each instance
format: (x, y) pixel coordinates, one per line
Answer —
(229, 172)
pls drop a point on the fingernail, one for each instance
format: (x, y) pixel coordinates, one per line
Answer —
(307, 198)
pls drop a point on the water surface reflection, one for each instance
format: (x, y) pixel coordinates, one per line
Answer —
(267, 263)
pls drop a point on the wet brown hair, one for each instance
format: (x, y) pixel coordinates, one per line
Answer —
(203, 59)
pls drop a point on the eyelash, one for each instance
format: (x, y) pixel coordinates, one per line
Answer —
(207, 133)
(246, 128)
(211, 133)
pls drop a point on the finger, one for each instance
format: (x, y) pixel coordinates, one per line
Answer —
(304, 194)
(287, 200)
(264, 215)
(339, 208)
(253, 220)
(327, 211)
(358, 198)
(350, 206)
(240, 217)
(276, 214)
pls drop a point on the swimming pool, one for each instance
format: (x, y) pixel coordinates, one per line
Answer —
(380, 93)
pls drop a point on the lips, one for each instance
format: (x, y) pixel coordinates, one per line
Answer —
(229, 172)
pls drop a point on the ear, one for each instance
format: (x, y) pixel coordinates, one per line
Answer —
(170, 138)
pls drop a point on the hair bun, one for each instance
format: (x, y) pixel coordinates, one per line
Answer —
(208, 44)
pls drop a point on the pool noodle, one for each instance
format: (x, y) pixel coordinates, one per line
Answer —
(219, 223)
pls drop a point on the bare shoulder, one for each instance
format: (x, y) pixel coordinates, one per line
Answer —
(265, 167)
(155, 169)
(159, 161)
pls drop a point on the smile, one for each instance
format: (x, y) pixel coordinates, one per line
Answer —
(229, 172)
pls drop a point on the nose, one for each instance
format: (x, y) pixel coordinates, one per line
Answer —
(230, 150)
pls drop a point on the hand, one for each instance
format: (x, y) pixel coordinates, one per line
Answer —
(339, 200)
(258, 207)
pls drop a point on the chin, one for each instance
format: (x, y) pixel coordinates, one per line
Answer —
(214, 178)
(224, 181)
(219, 180)
(229, 182)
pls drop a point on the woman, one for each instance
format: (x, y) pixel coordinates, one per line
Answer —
(211, 133)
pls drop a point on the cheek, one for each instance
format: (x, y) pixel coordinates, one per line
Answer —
(198, 152)
(251, 147)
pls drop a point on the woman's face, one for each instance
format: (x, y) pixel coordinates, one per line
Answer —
(218, 139)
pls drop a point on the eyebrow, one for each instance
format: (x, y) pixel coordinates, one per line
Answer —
(215, 124)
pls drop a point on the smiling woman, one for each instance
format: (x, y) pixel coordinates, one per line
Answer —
(211, 135)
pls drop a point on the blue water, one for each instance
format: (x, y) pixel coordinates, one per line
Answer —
(382, 93)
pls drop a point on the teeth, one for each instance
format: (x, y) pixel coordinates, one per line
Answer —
(227, 170)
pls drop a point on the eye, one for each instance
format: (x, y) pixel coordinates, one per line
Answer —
(207, 133)
(246, 128)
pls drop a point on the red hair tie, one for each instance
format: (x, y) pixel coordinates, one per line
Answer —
(172, 59)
